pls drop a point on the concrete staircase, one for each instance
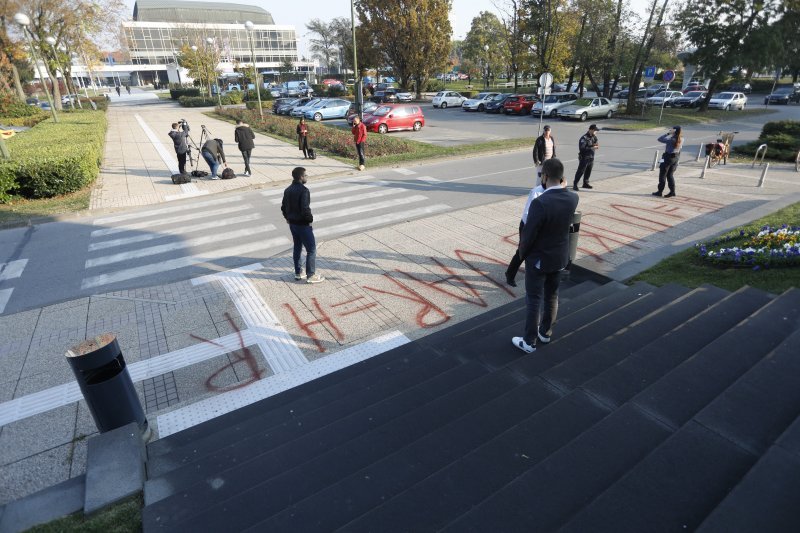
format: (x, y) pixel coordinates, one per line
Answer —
(653, 409)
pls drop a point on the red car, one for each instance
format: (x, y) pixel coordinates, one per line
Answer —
(390, 117)
(519, 104)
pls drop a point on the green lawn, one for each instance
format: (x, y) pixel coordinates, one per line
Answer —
(124, 517)
(22, 212)
(684, 117)
(687, 268)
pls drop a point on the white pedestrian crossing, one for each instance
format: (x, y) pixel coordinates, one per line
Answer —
(5, 296)
(168, 220)
(12, 269)
(377, 206)
(162, 210)
(350, 227)
(404, 171)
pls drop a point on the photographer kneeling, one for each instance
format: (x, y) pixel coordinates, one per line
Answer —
(179, 135)
(213, 154)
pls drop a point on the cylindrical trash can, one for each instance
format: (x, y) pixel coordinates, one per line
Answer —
(106, 385)
(574, 229)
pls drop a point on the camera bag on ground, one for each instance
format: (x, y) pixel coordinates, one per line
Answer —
(227, 174)
(179, 179)
(199, 173)
(312, 154)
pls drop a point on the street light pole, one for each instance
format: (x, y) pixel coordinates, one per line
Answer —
(200, 68)
(486, 79)
(210, 41)
(248, 25)
(359, 81)
(23, 20)
(52, 42)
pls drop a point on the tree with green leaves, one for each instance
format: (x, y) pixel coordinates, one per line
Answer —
(323, 45)
(201, 61)
(412, 36)
(483, 32)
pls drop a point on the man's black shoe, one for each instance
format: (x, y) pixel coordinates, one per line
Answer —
(657, 194)
(511, 281)
(669, 194)
(574, 187)
(587, 186)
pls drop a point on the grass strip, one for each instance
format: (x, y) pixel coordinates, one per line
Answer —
(683, 117)
(123, 517)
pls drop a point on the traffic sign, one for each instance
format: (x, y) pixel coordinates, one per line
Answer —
(546, 79)
(649, 73)
(669, 75)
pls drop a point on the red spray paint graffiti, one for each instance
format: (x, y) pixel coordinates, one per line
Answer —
(246, 356)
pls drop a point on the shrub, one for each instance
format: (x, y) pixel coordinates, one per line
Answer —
(176, 94)
(28, 121)
(197, 101)
(53, 159)
(250, 94)
(435, 86)
(10, 107)
(233, 97)
(782, 139)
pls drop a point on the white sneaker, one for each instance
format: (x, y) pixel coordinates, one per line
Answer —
(520, 343)
(544, 339)
(214, 178)
(246, 173)
(316, 278)
(360, 167)
(300, 276)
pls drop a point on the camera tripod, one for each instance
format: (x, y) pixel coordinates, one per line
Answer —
(204, 136)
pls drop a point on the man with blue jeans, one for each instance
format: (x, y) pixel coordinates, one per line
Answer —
(296, 209)
(213, 154)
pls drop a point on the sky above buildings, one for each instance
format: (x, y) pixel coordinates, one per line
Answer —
(297, 14)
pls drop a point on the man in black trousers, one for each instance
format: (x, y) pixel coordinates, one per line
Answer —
(544, 245)
(587, 146)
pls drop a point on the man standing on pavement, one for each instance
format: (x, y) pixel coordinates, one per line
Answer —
(214, 154)
(359, 132)
(672, 153)
(296, 209)
(244, 136)
(179, 134)
(543, 149)
(545, 248)
(587, 146)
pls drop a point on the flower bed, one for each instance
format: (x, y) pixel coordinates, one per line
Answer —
(769, 248)
(322, 138)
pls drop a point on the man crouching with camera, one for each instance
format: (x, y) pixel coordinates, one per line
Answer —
(179, 135)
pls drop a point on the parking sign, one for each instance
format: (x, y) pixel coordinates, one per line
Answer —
(669, 76)
(649, 73)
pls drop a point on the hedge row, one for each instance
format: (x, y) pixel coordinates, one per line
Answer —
(232, 98)
(322, 138)
(175, 94)
(782, 139)
(54, 159)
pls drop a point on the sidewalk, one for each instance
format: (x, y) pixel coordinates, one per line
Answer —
(205, 346)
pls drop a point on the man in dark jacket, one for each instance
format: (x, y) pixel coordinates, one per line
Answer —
(296, 209)
(543, 149)
(213, 154)
(179, 135)
(244, 136)
(544, 245)
(587, 146)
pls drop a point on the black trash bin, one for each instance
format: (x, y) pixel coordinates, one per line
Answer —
(574, 229)
(106, 385)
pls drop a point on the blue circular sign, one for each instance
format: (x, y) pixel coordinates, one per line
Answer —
(669, 75)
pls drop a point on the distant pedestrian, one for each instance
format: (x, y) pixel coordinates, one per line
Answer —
(302, 137)
(119, 92)
(244, 136)
(543, 149)
(587, 146)
(296, 209)
(672, 153)
(179, 135)
(214, 154)
(544, 247)
(359, 131)
(128, 88)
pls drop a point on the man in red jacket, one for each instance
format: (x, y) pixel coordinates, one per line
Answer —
(359, 132)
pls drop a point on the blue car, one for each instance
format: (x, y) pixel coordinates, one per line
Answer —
(333, 108)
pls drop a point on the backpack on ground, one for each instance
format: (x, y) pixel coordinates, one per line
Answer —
(228, 174)
(199, 173)
(312, 154)
(179, 179)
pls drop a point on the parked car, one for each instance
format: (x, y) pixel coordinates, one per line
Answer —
(328, 108)
(728, 101)
(296, 88)
(585, 108)
(65, 100)
(655, 89)
(520, 104)
(391, 117)
(383, 86)
(479, 102)
(691, 99)
(640, 94)
(694, 88)
(366, 109)
(495, 105)
(664, 98)
(552, 103)
(745, 88)
(278, 102)
(300, 111)
(445, 99)
(783, 95)
(32, 101)
(293, 103)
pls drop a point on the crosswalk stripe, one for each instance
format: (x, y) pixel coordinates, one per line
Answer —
(172, 246)
(12, 269)
(169, 160)
(404, 171)
(428, 179)
(380, 220)
(277, 201)
(162, 210)
(370, 207)
(169, 220)
(214, 224)
(357, 197)
(180, 262)
(5, 295)
(318, 185)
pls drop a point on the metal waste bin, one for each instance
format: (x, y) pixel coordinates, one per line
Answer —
(574, 229)
(106, 385)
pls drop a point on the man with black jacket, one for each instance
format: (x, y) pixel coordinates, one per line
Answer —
(244, 136)
(179, 135)
(587, 146)
(296, 209)
(543, 149)
(214, 154)
(544, 245)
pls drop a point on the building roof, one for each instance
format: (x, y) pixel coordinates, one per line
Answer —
(193, 12)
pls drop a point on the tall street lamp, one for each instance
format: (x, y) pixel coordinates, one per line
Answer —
(199, 67)
(359, 81)
(248, 25)
(52, 42)
(213, 68)
(23, 20)
(486, 79)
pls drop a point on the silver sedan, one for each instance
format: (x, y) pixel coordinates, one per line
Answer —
(585, 108)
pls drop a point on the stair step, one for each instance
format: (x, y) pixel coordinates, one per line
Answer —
(248, 505)
(625, 380)
(765, 500)
(349, 498)
(790, 440)
(757, 409)
(694, 469)
(316, 428)
(448, 493)
(190, 435)
(679, 395)
(361, 389)
(598, 357)
(552, 491)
